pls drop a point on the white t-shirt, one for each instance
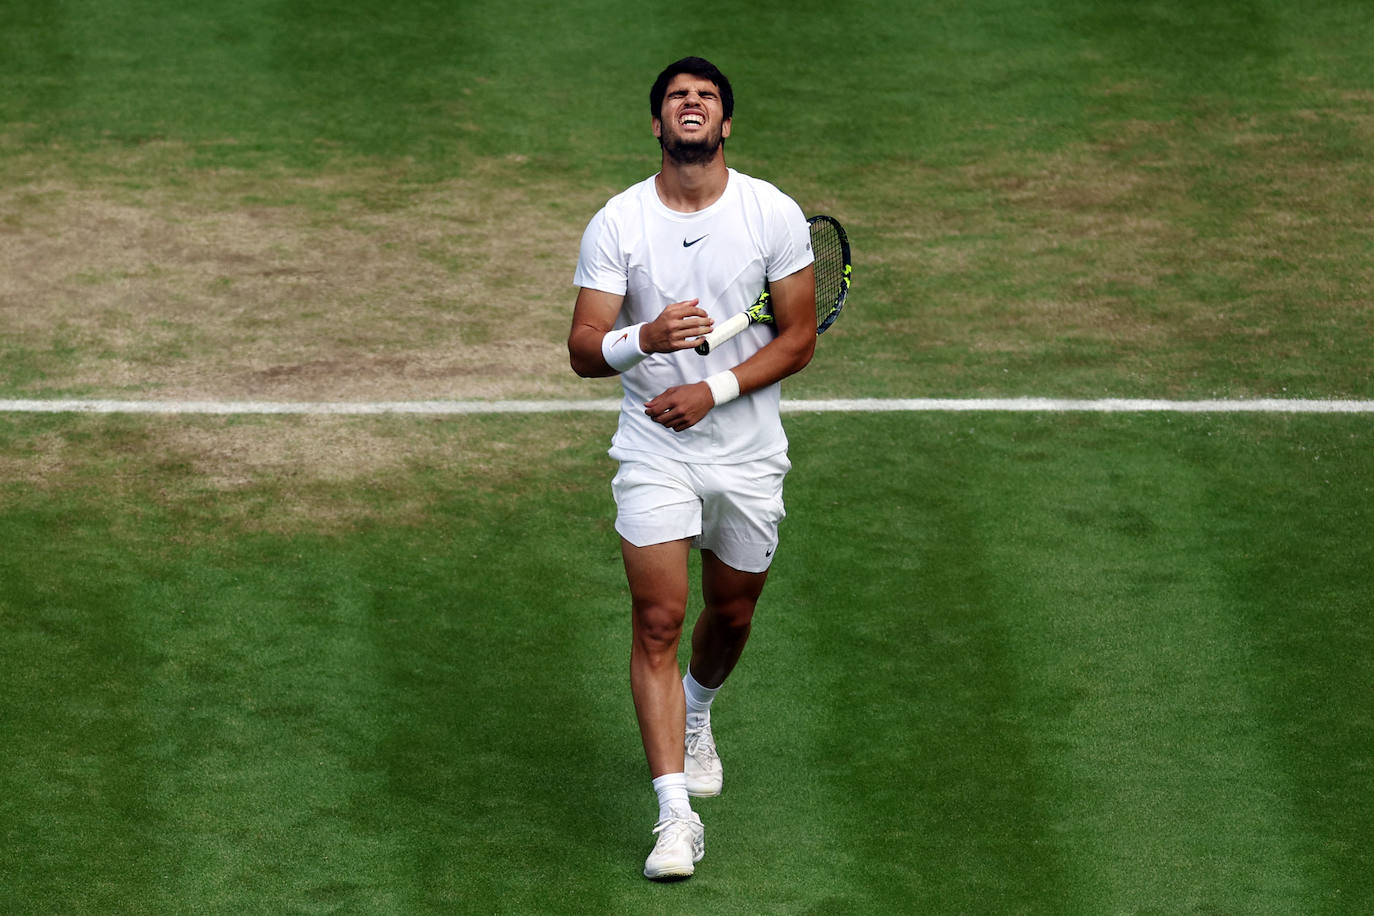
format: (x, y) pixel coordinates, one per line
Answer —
(653, 256)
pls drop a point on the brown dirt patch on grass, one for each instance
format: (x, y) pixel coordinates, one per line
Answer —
(1156, 256)
(357, 286)
(296, 474)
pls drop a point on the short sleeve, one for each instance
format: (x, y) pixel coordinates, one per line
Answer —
(790, 240)
(599, 265)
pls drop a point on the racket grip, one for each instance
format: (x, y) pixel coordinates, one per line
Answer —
(723, 332)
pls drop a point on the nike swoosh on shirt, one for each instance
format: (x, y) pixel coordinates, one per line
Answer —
(687, 244)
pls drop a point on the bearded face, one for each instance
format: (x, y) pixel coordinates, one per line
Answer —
(691, 127)
(691, 150)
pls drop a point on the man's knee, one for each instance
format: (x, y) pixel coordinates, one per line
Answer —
(658, 627)
(732, 614)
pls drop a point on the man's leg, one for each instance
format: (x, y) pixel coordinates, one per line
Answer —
(717, 641)
(658, 591)
(723, 627)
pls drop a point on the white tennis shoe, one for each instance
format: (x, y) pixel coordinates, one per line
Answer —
(705, 776)
(681, 844)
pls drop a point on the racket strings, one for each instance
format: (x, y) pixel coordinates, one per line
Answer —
(828, 249)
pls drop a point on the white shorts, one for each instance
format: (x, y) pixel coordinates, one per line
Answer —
(732, 510)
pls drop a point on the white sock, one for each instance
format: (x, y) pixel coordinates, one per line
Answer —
(698, 700)
(671, 789)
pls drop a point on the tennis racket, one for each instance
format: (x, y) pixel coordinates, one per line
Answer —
(833, 268)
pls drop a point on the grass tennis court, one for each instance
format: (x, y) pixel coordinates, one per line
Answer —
(1014, 664)
(1007, 663)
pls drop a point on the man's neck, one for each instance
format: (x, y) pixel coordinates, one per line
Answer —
(689, 188)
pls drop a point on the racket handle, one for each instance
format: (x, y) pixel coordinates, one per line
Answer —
(723, 332)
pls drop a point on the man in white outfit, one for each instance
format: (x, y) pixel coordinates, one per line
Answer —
(700, 442)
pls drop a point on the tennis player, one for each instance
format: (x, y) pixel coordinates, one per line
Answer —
(700, 442)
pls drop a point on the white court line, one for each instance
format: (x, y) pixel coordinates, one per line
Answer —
(342, 408)
(1106, 405)
(869, 405)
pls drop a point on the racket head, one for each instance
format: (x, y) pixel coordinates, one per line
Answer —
(833, 267)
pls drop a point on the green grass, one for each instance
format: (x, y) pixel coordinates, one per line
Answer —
(1083, 199)
(1006, 663)
(1014, 664)
(938, 82)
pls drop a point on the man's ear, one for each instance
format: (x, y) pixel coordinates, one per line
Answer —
(725, 128)
(658, 128)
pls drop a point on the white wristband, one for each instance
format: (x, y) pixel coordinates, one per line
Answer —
(724, 387)
(620, 348)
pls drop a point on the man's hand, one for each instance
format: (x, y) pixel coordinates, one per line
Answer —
(677, 327)
(681, 407)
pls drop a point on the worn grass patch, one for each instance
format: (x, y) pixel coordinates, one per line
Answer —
(1211, 256)
(316, 475)
(1203, 255)
(355, 285)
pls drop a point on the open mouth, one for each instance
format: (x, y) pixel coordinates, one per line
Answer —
(692, 120)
